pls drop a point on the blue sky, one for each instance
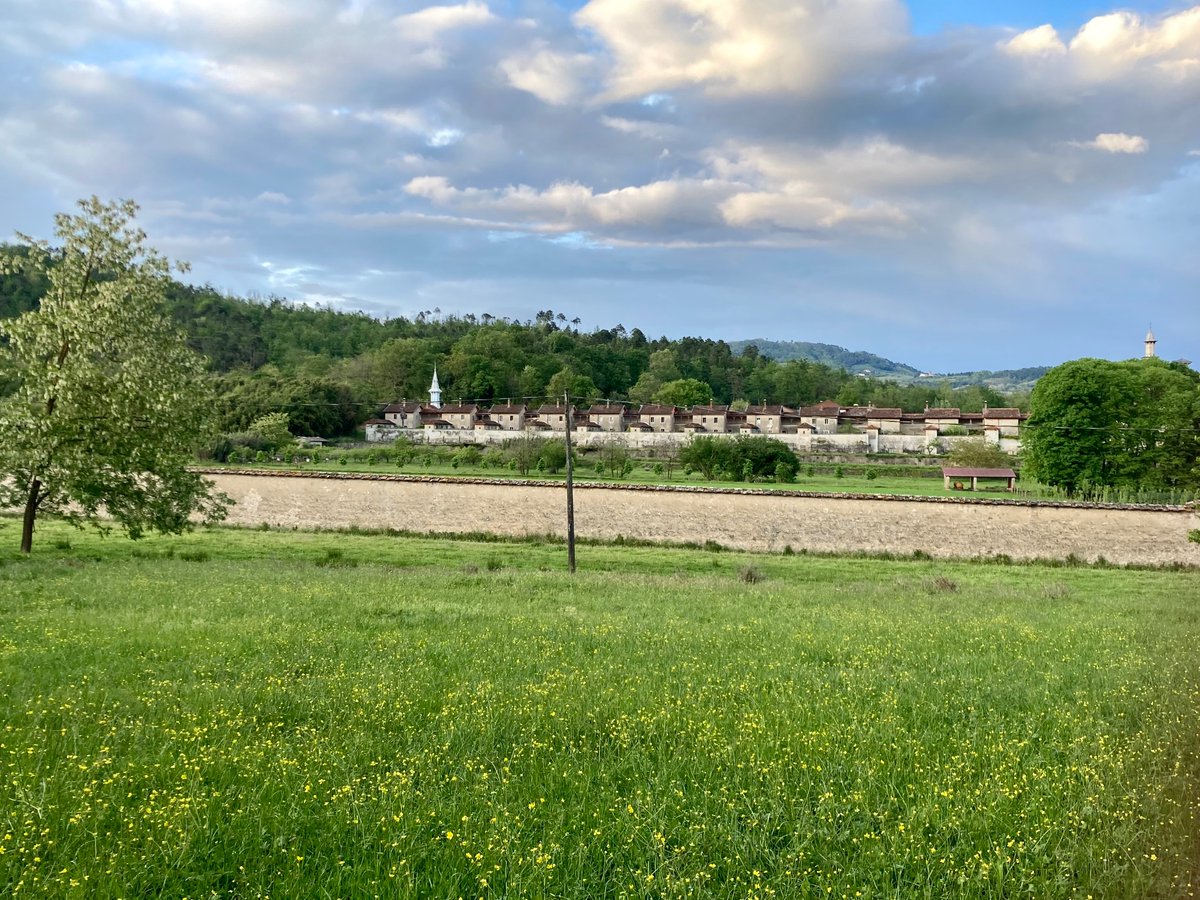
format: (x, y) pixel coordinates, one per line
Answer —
(952, 186)
(929, 16)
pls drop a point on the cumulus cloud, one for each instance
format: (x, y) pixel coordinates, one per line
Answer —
(430, 23)
(1124, 36)
(748, 46)
(554, 77)
(1118, 142)
(1040, 41)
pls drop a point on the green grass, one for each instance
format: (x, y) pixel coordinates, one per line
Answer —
(252, 713)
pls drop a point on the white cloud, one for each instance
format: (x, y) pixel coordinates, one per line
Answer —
(794, 207)
(1108, 44)
(656, 131)
(571, 206)
(553, 77)
(738, 47)
(429, 24)
(1118, 143)
(1040, 41)
(873, 165)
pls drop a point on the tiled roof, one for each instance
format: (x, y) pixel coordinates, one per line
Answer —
(943, 412)
(599, 409)
(709, 410)
(467, 409)
(961, 472)
(653, 410)
(884, 412)
(1002, 412)
(507, 409)
(402, 407)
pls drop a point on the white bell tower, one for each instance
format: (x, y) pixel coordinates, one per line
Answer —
(435, 390)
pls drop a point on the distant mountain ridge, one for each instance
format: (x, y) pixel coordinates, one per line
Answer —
(865, 363)
(829, 354)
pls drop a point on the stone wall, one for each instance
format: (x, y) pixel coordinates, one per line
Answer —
(736, 518)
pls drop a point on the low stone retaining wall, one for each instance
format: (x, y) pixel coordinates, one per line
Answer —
(749, 519)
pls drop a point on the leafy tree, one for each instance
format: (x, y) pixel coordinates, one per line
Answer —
(1072, 434)
(683, 392)
(274, 430)
(1096, 423)
(110, 403)
(581, 388)
(524, 452)
(553, 456)
(707, 455)
(977, 453)
(760, 456)
(614, 454)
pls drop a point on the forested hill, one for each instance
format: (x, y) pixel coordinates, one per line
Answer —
(854, 361)
(330, 371)
(860, 362)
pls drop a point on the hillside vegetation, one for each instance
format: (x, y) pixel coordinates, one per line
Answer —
(331, 370)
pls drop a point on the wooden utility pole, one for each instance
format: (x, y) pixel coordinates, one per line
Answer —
(570, 489)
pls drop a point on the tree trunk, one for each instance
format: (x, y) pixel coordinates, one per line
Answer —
(31, 505)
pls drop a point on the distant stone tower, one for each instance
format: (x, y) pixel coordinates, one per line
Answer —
(1150, 342)
(435, 390)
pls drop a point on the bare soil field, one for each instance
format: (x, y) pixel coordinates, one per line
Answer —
(748, 520)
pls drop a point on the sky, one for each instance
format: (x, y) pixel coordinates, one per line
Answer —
(949, 185)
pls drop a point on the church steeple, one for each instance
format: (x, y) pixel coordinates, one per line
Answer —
(435, 390)
(1150, 342)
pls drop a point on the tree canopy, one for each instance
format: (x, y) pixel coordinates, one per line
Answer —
(109, 404)
(1096, 423)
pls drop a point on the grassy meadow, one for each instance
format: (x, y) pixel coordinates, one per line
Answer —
(256, 713)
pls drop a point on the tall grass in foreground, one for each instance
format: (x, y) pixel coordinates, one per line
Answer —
(442, 719)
